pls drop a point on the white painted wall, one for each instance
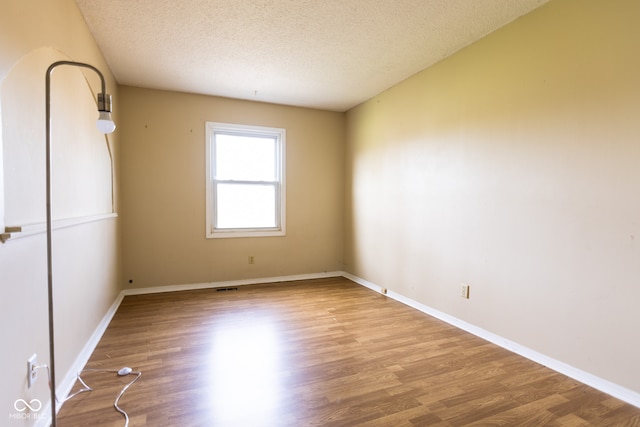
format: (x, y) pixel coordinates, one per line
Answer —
(86, 262)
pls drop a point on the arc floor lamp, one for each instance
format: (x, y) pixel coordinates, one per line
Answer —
(106, 126)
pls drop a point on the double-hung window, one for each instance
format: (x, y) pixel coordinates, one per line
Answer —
(245, 180)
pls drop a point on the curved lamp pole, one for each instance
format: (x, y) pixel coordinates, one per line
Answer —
(105, 125)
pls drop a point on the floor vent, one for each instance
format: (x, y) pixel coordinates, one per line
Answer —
(226, 289)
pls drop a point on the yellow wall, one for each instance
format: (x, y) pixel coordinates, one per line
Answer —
(86, 262)
(513, 166)
(163, 176)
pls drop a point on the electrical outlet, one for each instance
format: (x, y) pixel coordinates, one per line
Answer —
(32, 372)
(464, 291)
(252, 259)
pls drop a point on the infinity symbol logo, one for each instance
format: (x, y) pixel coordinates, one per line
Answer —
(21, 405)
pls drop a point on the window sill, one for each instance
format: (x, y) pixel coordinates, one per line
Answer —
(245, 233)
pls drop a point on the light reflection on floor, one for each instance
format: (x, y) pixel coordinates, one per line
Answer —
(244, 375)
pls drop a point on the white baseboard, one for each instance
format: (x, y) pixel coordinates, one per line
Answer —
(231, 283)
(591, 380)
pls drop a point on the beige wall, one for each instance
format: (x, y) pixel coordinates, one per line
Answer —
(86, 262)
(163, 176)
(513, 166)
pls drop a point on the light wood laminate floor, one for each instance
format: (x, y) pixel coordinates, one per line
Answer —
(317, 353)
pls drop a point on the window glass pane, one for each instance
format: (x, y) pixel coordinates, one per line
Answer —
(245, 158)
(246, 206)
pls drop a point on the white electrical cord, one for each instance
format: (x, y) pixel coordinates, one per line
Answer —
(122, 372)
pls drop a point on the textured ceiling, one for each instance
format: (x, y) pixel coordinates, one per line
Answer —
(327, 54)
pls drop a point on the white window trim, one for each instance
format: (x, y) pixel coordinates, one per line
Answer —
(280, 133)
